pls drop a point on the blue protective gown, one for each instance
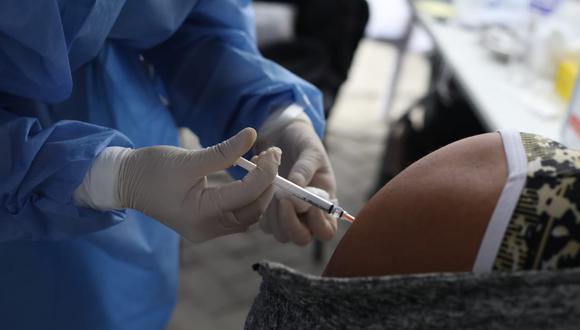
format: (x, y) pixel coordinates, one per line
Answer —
(75, 78)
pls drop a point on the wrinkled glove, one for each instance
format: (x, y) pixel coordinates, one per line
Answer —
(305, 163)
(169, 184)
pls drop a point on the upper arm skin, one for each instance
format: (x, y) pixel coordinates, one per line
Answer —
(431, 217)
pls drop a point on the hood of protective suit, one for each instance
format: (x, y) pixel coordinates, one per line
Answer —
(41, 42)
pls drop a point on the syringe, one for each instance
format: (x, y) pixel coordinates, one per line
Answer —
(303, 194)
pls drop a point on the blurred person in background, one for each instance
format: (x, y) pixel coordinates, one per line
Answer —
(324, 36)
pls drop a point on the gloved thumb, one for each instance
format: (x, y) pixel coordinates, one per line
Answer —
(305, 167)
(225, 154)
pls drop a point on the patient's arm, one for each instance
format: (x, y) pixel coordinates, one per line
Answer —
(431, 217)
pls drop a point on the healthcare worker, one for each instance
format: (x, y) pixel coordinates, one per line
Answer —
(91, 95)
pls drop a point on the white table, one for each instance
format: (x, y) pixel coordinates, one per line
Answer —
(499, 101)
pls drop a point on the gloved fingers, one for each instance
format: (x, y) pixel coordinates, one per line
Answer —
(273, 218)
(269, 216)
(243, 192)
(225, 154)
(291, 224)
(322, 225)
(324, 181)
(270, 223)
(300, 206)
(319, 192)
(250, 214)
(214, 224)
(303, 170)
(279, 233)
(264, 223)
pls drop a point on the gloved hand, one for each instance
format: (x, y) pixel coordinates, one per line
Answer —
(305, 163)
(169, 184)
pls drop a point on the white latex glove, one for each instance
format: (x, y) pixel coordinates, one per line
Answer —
(169, 184)
(305, 163)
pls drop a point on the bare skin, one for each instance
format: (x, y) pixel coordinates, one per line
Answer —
(431, 217)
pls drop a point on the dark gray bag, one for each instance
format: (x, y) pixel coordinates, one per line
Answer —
(503, 300)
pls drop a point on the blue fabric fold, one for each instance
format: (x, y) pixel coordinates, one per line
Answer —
(77, 76)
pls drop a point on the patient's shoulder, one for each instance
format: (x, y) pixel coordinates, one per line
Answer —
(431, 217)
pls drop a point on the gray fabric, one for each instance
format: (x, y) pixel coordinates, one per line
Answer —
(502, 300)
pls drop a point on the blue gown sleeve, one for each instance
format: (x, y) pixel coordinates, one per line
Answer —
(40, 169)
(217, 81)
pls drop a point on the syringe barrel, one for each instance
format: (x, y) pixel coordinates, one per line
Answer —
(303, 194)
(292, 188)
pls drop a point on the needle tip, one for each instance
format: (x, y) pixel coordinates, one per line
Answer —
(347, 217)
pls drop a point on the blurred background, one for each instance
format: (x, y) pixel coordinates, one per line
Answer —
(400, 79)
